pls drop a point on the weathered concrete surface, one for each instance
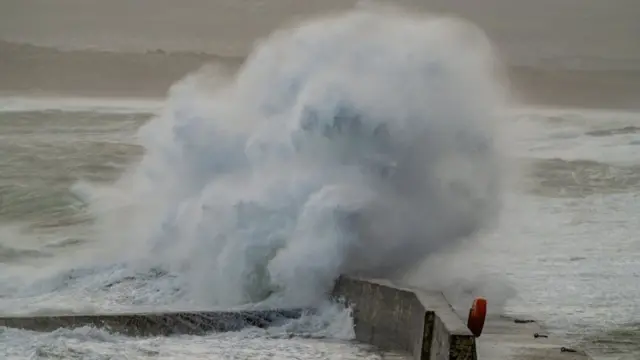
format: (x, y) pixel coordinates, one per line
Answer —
(425, 325)
(504, 339)
(156, 324)
(420, 323)
(401, 321)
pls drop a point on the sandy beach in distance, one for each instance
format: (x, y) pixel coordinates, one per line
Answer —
(560, 53)
(32, 70)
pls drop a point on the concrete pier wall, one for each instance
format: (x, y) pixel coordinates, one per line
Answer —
(420, 323)
(399, 320)
(156, 324)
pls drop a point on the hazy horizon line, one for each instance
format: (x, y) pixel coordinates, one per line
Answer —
(575, 63)
(33, 70)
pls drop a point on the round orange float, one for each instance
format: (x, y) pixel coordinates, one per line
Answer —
(477, 315)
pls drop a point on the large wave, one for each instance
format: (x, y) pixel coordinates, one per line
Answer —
(358, 143)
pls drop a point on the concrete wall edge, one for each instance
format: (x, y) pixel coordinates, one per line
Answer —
(399, 318)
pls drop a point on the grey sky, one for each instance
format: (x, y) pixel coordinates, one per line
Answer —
(606, 31)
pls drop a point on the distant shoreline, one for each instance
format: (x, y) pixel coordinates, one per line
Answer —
(28, 70)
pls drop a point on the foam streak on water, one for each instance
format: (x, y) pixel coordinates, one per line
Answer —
(122, 106)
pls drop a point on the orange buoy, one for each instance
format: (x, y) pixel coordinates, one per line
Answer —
(477, 315)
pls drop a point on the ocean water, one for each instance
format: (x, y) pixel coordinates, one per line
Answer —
(567, 245)
(331, 140)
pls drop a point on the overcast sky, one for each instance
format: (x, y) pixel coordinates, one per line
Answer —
(527, 30)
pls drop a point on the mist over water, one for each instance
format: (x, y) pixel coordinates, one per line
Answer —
(359, 144)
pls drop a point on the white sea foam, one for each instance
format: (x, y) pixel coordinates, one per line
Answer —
(357, 143)
(101, 105)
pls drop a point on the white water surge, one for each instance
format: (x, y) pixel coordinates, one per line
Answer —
(356, 144)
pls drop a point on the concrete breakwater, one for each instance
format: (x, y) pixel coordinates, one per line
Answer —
(426, 327)
(156, 324)
(418, 323)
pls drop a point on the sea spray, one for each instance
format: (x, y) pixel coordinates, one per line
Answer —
(358, 143)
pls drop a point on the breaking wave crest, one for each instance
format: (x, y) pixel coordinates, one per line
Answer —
(359, 143)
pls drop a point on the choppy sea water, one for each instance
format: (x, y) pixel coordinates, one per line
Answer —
(567, 242)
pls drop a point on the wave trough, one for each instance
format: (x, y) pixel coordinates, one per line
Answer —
(359, 143)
